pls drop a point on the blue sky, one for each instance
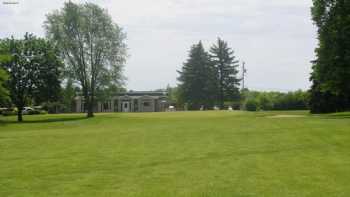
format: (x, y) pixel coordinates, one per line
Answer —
(275, 38)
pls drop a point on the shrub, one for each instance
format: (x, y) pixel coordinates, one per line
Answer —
(43, 112)
(252, 105)
(34, 112)
(2, 109)
(297, 100)
(9, 112)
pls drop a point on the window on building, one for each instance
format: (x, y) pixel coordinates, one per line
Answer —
(146, 104)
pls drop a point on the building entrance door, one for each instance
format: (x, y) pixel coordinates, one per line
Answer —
(126, 106)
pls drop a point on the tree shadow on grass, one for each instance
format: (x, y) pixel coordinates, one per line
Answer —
(337, 116)
(44, 120)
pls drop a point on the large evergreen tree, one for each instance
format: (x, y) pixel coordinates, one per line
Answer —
(226, 68)
(331, 70)
(197, 79)
(92, 45)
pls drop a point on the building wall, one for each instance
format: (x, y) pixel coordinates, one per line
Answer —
(137, 104)
(147, 105)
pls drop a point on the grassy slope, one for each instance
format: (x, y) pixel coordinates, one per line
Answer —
(176, 154)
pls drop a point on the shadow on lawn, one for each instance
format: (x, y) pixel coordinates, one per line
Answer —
(44, 120)
(337, 116)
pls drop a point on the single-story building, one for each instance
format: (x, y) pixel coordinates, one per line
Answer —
(132, 101)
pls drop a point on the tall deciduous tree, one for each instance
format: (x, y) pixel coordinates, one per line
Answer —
(197, 79)
(226, 68)
(92, 45)
(331, 70)
(27, 68)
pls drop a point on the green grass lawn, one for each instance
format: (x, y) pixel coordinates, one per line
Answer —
(202, 154)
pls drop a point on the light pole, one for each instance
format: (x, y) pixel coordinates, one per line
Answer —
(244, 71)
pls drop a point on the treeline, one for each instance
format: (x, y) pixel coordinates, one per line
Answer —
(251, 100)
(330, 91)
(255, 100)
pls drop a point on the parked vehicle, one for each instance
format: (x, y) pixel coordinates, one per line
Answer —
(27, 110)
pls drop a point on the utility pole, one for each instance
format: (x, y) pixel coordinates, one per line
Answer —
(244, 71)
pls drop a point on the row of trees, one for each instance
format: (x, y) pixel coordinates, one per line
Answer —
(209, 78)
(254, 100)
(83, 49)
(331, 70)
(251, 100)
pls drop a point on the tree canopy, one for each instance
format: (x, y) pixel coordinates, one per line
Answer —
(331, 70)
(33, 68)
(226, 65)
(198, 79)
(4, 93)
(92, 45)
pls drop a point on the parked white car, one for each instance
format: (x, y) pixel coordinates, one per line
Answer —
(171, 108)
(27, 110)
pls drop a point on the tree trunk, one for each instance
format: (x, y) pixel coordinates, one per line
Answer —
(90, 113)
(222, 99)
(90, 105)
(19, 114)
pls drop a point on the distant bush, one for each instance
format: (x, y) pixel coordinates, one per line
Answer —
(43, 112)
(53, 107)
(252, 105)
(37, 112)
(297, 100)
(9, 112)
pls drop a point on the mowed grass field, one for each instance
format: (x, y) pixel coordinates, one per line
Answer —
(199, 154)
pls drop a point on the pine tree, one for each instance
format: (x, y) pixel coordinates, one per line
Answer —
(226, 68)
(330, 91)
(197, 79)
